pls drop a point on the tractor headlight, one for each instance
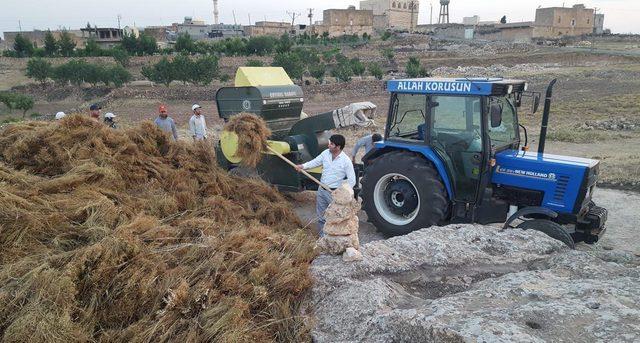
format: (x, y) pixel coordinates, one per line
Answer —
(510, 89)
(526, 86)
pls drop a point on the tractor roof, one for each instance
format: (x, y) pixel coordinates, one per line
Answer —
(460, 86)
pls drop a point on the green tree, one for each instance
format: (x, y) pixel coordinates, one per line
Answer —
(23, 46)
(342, 72)
(254, 63)
(94, 73)
(50, 44)
(318, 71)
(67, 44)
(292, 64)
(8, 99)
(161, 72)
(130, 44)
(206, 69)
(184, 69)
(285, 43)
(357, 67)
(260, 45)
(24, 103)
(92, 48)
(185, 44)
(117, 75)
(147, 45)
(39, 70)
(77, 71)
(120, 56)
(235, 46)
(375, 70)
(366, 37)
(386, 35)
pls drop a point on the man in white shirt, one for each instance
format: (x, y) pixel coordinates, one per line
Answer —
(197, 124)
(336, 168)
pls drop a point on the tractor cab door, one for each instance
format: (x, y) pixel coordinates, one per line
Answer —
(455, 132)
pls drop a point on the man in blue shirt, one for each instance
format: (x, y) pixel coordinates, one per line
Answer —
(166, 123)
(366, 142)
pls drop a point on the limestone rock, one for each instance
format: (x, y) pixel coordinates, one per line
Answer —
(476, 283)
(343, 195)
(351, 255)
(343, 228)
(337, 213)
(336, 245)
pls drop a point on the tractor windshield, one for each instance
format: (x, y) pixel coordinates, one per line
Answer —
(505, 134)
(408, 117)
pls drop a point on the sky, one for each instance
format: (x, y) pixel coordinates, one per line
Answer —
(620, 15)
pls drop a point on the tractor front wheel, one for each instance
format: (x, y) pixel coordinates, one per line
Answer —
(403, 192)
(551, 229)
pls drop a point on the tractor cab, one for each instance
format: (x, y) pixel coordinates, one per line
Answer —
(453, 153)
(464, 121)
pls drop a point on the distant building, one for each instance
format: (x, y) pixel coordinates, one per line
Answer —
(401, 15)
(554, 22)
(131, 31)
(106, 37)
(471, 21)
(198, 30)
(157, 32)
(267, 28)
(350, 21)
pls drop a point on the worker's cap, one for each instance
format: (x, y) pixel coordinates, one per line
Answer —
(162, 109)
(109, 115)
(60, 115)
(195, 106)
(95, 107)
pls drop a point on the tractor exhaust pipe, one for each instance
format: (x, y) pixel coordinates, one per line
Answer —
(545, 116)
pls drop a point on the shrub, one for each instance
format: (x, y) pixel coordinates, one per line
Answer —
(413, 67)
(254, 63)
(357, 67)
(39, 70)
(261, 45)
(66, 44)
(161, 72)
(205, 70)
(120, 56)
(292, 64)
(376, 70)
(318, 71)
(388, 54)
(23, 46)
(117, 75)
(185, 44)
(342, 72)
(24, 103)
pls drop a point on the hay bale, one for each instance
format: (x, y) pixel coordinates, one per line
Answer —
(122, 235)
(253, 134)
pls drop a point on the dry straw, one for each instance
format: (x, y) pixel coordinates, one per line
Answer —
(252, 134)
(125, 236)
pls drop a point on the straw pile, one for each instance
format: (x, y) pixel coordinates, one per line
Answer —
(252, 134)
(125, 236)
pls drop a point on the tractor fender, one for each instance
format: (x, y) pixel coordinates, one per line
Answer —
(530, 210)
(423, 150)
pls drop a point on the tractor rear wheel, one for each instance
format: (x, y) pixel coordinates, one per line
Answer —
(551, 229)
(403, 192)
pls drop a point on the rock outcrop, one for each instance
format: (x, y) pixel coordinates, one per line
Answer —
(475, 283)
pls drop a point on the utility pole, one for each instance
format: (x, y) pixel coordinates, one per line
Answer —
(234, 18)
(293, 16)
(431, 15)
(593, 32)
(119, 17)
(310, 15)
(249, 14)
(20, 25)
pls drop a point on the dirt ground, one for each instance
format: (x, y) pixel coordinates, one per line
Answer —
(595, 111)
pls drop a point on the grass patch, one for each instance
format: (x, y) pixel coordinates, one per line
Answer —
(572, 135)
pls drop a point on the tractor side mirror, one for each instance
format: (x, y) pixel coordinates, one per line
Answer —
(536, 103)
(496, 115)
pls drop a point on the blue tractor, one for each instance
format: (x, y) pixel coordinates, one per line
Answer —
(453, 153)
